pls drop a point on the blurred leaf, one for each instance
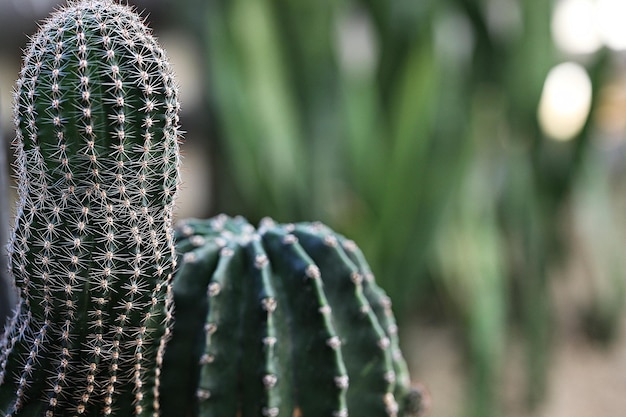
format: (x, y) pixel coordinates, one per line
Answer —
(470, 256)
(598, 229)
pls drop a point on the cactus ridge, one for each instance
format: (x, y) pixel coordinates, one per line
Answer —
(291, 321)
(96, 117)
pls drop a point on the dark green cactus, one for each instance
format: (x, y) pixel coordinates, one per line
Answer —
(91, 249)
(285, 320)
(280, 321)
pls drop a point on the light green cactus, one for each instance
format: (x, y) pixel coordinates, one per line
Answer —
(283, 318)
(92, 247)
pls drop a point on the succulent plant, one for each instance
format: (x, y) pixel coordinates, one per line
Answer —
(281, 320)
(285, 320)
(91, 249)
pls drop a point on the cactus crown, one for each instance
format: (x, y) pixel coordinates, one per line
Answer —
(96, 117)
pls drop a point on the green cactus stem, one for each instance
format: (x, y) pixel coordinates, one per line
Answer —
(282, 320)
(91, 250)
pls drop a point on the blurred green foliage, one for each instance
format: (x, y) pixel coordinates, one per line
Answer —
(425, 150)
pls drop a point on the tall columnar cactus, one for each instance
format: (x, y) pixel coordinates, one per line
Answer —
(281, 321)
(92, 246)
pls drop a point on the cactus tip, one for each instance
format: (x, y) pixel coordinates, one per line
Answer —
(418, 401)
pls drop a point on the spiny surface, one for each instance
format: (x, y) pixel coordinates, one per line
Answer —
(282, 319)
(92, 252)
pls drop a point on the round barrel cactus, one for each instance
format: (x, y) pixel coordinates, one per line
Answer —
(91, 250)
(283, 320)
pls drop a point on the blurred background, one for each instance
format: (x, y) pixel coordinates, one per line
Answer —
(474, 149)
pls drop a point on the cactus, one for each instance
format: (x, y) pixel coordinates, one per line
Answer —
(280, 321)
(91, 249)
(285, 320)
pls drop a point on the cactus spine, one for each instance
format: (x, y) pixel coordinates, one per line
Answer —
(7, 293)
(91, 249)
(279, 319)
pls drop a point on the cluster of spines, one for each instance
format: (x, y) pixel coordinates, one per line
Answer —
(293, 320)
(96, 115)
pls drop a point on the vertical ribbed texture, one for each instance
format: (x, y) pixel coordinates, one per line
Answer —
(92, 248)
(282, 321)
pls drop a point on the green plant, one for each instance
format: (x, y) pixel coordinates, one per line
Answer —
(280, 318)
(286, 326)
(92, 246)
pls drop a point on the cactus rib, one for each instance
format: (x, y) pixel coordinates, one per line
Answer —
(295, 325)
